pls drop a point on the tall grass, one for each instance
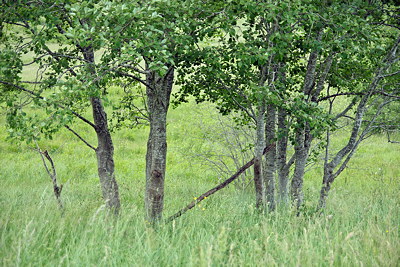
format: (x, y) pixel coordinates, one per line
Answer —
(360, 226)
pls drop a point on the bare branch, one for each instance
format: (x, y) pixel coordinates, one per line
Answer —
(390, 74)
(344, 112)
(338, 94)
(80, 137)
(391, 141)
(135, 78)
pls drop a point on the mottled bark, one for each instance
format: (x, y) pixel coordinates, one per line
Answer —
(105, 157)
(296, 189)
(258, 164)
(270, 157)
(283, 169)
(158, 97)
(105, 147)
(326, 186)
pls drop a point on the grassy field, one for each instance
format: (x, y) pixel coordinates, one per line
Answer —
(359, 228)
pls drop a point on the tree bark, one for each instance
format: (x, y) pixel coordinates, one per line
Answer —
(105, 157)
(270, 157)
(283, 171)
(258, 164)
(326, 186)
(296, 189)
(303, 139)
(105, 147)
(158, 97)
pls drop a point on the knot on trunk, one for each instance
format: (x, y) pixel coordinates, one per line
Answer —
(156, 174)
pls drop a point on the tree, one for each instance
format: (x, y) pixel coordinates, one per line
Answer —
(338, 61)
(275, 67)
(373, 98)
(63, 37)
(155, 38)
(247, 72)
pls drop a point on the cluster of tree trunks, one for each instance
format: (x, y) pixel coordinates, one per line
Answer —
(275, 123)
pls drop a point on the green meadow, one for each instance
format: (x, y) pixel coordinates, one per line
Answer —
(360, 226)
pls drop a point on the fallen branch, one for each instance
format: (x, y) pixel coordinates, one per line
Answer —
(217, 188)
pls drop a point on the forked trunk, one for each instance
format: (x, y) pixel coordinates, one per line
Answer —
(303, 137)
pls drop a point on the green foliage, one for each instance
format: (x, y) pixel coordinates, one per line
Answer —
(10, 65)
(63, 82)
(128, 112)
(220, 48)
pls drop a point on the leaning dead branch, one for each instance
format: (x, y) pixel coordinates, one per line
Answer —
(217, 188)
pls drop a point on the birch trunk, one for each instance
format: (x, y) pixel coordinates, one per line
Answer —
(158, 98)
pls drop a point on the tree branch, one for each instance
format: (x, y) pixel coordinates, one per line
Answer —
(217, 188)
(338, 94)
(135, 78)
(80, 137)
(41, 97)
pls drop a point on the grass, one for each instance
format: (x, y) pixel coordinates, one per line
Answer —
(359, 228)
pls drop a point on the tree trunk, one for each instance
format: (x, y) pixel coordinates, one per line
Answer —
(105, 157)
(296, 189)
(326, 186)
(303, 138)
(270, 157)
(158, 96)
(105, 148)
(339, 161)
(258, 165)
(283, 171)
